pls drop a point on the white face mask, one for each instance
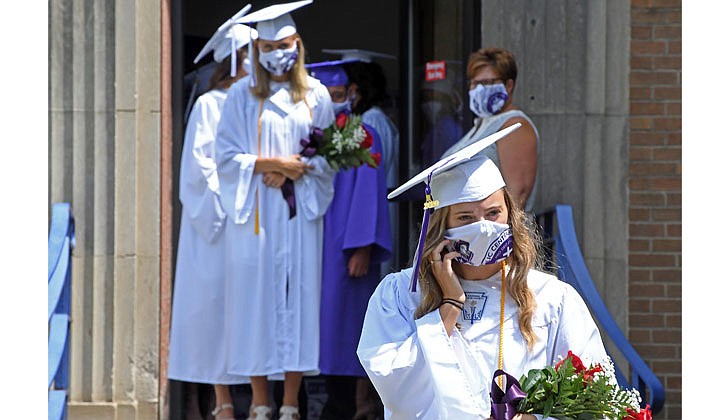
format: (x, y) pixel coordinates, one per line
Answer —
(431, 109)
(278, 62)
(488, 100)
(340, 107)
(480, 243)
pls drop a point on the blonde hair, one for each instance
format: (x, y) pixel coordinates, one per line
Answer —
(523, 258)
(299, 76)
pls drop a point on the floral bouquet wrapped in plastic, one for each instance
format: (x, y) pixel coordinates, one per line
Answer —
(345, 144)
(568, 390)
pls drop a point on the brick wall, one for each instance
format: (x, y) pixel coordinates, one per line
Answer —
(655, 185)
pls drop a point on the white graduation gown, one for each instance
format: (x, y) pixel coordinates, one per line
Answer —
(389, 135)
(273, 278)
(421, 372)
(196, 348)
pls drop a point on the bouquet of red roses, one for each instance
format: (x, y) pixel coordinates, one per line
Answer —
(345, 144)
(570, 390)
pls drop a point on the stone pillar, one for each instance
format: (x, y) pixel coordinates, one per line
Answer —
(105, 145)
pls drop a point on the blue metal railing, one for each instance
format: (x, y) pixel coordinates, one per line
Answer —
(560, 236)
(61, 240)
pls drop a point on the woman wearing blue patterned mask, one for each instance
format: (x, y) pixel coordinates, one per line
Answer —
(492, 73)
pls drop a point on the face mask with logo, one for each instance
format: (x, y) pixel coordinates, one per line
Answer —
(480, 243)
(340, 107)
(278, 62)
(487, 100)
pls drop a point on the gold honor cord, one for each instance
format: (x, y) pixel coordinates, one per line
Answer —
(502, 318)
(260, 113)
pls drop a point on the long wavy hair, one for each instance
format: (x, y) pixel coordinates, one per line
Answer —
(523, 258)
(299, 80)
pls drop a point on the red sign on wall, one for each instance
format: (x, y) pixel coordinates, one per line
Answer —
(435, 70)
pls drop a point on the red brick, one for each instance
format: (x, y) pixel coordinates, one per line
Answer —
(664, 124)
(637, 214)
(641, 48)
(641, 63)
(646, 138)
(640, 153)
(651, 169)
(651, 260)
(668, 275)
(650, 230)
(640, 275)
(646, 290)
(674, 290)
(667, 4)
(642, 32)
(637, 123)
(636, 335)
(674, 382)
(647, 198)
(666, 305)
(667, 366)
(640, 93)
(674, 199)
(661, 245)
(640, 184)
(674, 139)
(672, 411)
(656, 350)
(655, 15)
(667, 92)
(662, 184)
(667, 215)
(674, 230)
(667, 153)
(673, 109)
(667, 63)
(672, 32)
(674, 47)
(647, 320)
(673, 320)
(646, 108)
(653, 78)
(639, 245)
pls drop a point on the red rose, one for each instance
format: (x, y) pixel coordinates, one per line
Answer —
(589, 373)
(341, 120)
(644, 414)
(575, 361)
(377, 159)
(368, 141)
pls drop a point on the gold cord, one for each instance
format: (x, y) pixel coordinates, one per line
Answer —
(257, 222)
(502, 319)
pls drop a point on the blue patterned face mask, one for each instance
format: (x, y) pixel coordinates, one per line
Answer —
(487, 100)
(480, 243)
(278, 62)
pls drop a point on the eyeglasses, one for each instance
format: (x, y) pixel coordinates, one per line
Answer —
(484, 82)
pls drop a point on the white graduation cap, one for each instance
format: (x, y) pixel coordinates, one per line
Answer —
(461, 177)
(273, 23)
(228, 38)
(359, 55)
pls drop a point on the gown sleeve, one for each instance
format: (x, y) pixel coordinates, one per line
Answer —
(368, 218)
(315, 190)
(235, 162)
(199, 185)
(576, 330)
(413, 364)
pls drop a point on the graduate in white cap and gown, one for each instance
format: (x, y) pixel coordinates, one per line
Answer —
(357, 239)
(433, 334)
(275, 201)
(197, 336)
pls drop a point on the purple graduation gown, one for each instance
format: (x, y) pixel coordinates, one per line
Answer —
(357, 217)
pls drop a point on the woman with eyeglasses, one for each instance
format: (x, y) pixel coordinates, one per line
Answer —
(492, 73)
